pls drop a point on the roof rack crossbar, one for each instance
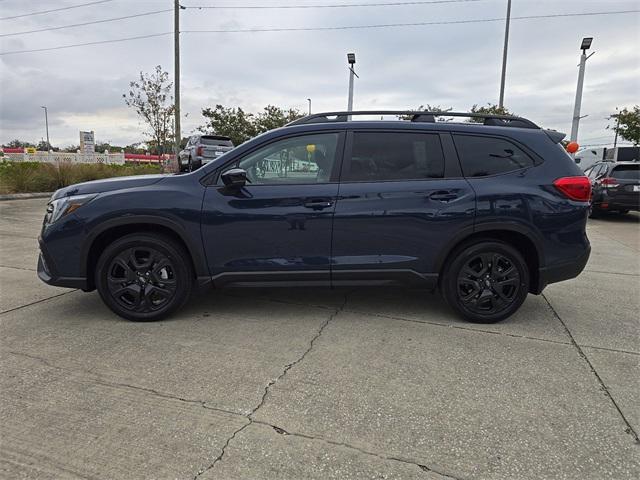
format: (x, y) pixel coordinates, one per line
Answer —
(417, 116)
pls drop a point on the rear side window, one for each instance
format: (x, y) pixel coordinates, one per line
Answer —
(380, 156)
(626, 172)
(482, 156)
(220, 142)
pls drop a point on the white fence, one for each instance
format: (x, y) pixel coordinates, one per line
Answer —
(64, 157)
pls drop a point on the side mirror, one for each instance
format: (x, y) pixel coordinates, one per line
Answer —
(236, 177)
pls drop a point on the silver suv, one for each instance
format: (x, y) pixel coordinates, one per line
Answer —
(201, 149)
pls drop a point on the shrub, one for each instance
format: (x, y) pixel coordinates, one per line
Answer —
(26, 177)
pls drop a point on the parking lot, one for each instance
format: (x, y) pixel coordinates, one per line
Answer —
(312, 383)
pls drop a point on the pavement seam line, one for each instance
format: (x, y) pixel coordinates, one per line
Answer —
(408, 461)
(37, 301)
(19, 268)
(630, 430)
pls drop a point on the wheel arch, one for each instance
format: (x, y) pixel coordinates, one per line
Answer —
(110, 231)
(518, 237)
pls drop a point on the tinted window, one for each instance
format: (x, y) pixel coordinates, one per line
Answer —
(380, 156)
(221, 142)
(481, 156)
(303, 159)
(626, 172)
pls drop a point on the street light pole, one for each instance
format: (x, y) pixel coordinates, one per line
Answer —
(176, 68)
(504, 55)
(309, 100)
(586, 44)
(46, 123)
(351, 58)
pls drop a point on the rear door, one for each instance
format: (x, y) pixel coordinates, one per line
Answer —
(623, 187)
(399, 205)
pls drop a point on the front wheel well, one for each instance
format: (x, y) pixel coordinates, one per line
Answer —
(111, 234)
(521, 242)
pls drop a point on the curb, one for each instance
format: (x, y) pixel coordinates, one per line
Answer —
(25, 196)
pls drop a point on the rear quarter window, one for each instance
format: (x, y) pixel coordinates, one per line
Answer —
(482, 156)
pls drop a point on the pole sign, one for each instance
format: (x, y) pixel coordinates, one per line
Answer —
(87, 142)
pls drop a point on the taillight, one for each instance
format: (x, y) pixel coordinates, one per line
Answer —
(574, 188)
(609, 182)
(200, 151)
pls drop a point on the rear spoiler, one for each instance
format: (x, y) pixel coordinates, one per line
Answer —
(556, 137)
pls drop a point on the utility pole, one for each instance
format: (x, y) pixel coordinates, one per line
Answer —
(586, 44)
(504, 55)
(309, 100)
(46, 123)
(615, 139)
(176, 45)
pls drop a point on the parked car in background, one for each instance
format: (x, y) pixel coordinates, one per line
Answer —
(201, 149)
(485, 212)
(615, 187)
(587, 157)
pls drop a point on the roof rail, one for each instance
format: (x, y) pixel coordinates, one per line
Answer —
(417, 116)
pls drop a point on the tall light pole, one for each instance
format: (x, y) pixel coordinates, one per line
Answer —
(504, 54)
(351, 58)
(309, 100)
(586, 45)
(46, 124)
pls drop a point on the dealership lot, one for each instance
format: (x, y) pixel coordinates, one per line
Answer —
(312, 383)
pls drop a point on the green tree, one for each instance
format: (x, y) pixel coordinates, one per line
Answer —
(425, 108)
(627, 124)
(151, 98)
(240, 126)
(489, 108)
(16, 143)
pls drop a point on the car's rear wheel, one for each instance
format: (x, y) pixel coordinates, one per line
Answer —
(486, 282)
(144, 277)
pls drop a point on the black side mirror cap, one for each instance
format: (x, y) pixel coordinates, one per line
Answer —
(236, 177)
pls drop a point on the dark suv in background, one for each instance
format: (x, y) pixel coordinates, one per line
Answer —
(616, 187)
(201, 149)
(486, 212)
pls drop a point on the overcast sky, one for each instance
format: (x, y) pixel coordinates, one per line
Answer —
(455, 65)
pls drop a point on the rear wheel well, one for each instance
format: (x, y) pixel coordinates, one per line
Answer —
(517, 240)
(110, 235)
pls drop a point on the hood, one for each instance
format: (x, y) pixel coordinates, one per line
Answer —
(108, 185)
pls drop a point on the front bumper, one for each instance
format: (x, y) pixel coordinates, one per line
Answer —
(563, 271)
(47, 272)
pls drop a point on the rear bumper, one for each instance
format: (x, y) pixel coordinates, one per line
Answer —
(47, 272)
(563, 271)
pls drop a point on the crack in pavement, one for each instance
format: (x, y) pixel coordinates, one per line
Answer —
(604, 388)
(287, 367)
(19, 268)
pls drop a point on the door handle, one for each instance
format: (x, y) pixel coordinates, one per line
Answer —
(443, 196)
(318, 204)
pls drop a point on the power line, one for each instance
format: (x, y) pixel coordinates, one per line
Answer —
(346, 5)
(416, 24)
(56, 9)
(88, 43)
(348, 27)
(86, 23)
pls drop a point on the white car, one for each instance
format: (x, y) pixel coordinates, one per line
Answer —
(201, 149)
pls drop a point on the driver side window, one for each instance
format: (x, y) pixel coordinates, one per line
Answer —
(302, 159)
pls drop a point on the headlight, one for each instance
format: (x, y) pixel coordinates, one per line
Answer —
(56, 209)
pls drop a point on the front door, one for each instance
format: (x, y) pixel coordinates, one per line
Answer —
(399, 206)
(277, 228)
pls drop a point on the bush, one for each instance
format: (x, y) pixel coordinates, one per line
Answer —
(27, 177)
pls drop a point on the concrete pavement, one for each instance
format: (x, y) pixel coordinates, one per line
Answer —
(307, 383)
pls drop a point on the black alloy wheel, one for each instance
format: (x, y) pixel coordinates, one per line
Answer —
(486, 281)
(144, 277)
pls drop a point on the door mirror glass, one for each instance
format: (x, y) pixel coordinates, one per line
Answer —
(236, 177)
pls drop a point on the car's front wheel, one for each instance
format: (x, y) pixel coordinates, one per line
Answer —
(486, 282)
(144, 277)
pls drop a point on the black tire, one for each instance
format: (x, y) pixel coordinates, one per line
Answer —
(144, 276)
(190, 166)
(594, 212)
(485, 281)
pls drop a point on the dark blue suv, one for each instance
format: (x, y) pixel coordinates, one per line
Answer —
(486, 210)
